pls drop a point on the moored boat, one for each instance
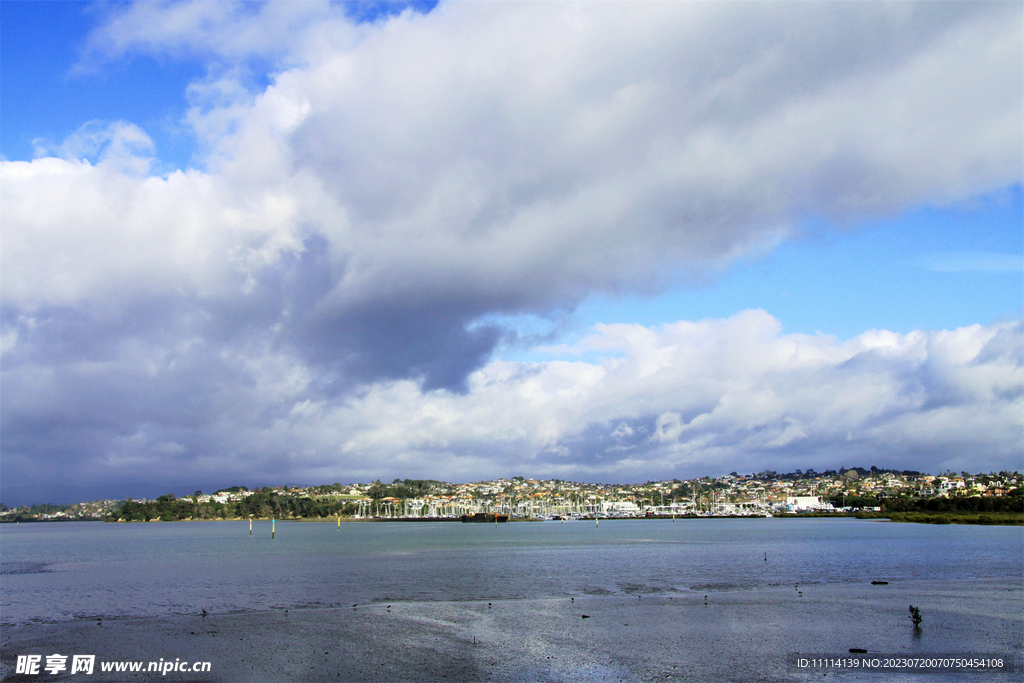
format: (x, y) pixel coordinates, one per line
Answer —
(485, 518)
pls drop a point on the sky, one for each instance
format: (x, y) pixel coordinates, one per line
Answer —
(303, 242)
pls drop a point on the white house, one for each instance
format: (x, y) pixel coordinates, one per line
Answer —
(625, 508)
(798, 503)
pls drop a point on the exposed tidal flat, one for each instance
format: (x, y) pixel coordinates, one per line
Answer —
(685, 600)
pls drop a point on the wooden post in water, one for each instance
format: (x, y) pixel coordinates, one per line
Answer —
(339, 522)
(250, 526)
(272, 522)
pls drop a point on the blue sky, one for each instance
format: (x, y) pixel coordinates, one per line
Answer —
(47, 98)
(932, 268)
(340, 217)
(885, 274)
(50, 88)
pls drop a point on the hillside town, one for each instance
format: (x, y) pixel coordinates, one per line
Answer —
(759, 494)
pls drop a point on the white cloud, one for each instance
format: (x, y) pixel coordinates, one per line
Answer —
(230, 31)
(120, 144)
(308, 297)
(727, 394)
(513, 157)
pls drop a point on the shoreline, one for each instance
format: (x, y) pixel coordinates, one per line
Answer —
(982, 519)
(741, 635)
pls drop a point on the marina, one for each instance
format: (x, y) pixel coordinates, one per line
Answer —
(450, 508)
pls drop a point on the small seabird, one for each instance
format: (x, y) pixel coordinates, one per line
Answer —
(204, 614)
(488, 605)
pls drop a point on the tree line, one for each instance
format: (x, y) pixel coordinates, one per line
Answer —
(262, 504)
(1013, 502)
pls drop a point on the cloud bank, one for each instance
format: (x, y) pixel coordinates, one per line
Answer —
(308, 299)
(732, 394)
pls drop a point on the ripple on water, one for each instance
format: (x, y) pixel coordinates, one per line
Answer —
(12, 568)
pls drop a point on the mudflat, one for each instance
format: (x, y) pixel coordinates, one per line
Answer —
(731, 635)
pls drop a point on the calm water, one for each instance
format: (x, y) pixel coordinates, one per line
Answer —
(54, 572)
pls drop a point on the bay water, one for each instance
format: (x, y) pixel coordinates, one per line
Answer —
(53, 572)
